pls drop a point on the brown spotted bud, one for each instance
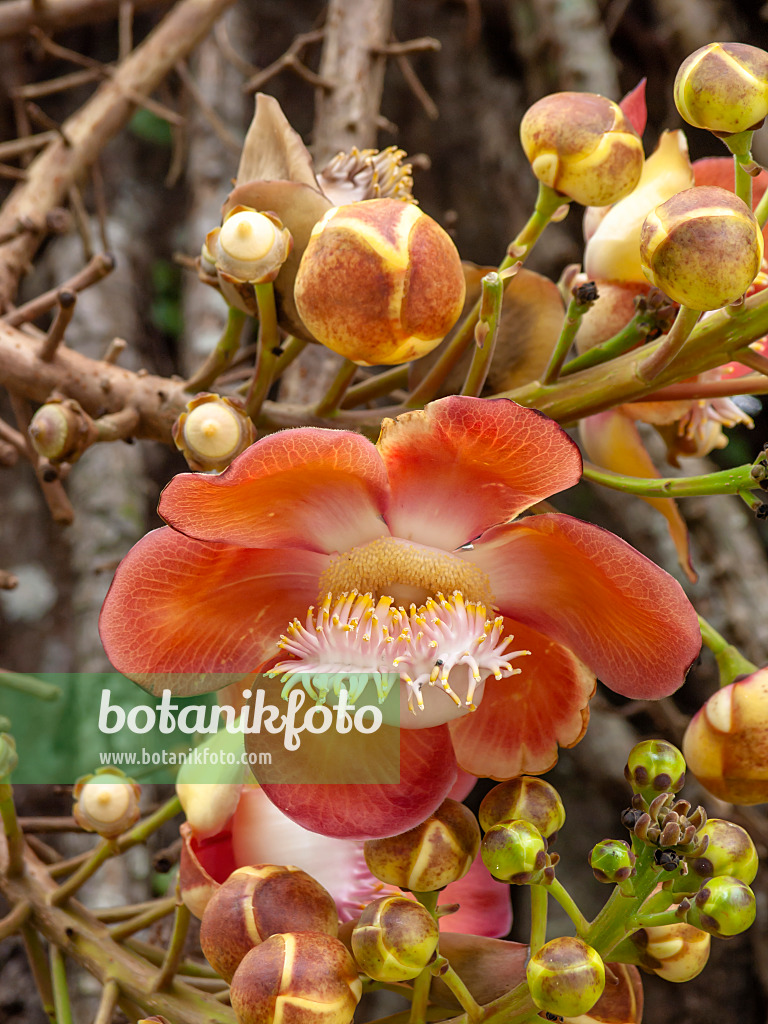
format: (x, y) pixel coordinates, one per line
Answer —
(304, 978)
(582, 145)
(379, 282)
(703, 247)
(394, 939)
(529, 798)
(259, 901)
(723, 87)
(565, 977)
(726, 740)
(106, 802)
(213, 431)
(676, 952)
(61, 430)
(723, 848)
(515, 852)
(438, 851)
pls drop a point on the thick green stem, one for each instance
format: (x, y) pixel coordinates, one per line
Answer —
(41, 971)
(761, 210)
(175, 950)
(60, 988)
(741, 147)
(577, 310)
(548, 202)
(375, 386)
(611, 925)
(731, 663)
(135, 924)
(420, 999)
(465, 998)
(679, 333)
(725, 481)
(566, 901)
(636, 331)
(539, 901)
(330, 402)
(29, 684)
(486, 333)
(269, 350)
(222, 355)
(13, 833)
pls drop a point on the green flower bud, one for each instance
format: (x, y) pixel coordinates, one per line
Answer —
(394, 939)
(514, 851)
(582, 145)
(723, 906)
(565, 977)
(212, 431)
(723, 87)
(703, 247)
(729, 851)
(612, 860)
(529, 798)
(8, 756)
(425, 858)
(653, 767)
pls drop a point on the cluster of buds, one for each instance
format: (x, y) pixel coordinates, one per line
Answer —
(212, 431)
(521, 818)
(106, 802)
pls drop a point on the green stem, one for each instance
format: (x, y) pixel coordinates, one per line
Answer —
(41, 972)
(486, 333)
(611, 925)
(106, 849)
(420, 1000)
(539, 902)
(219, 359)
(636, 331)
(175, 950)
(135, 924)
(466, 1000)
(761, 210)
(29, 684)
(741, 145)
(13, 833)
(60, 990)
(375, 386)
(730, 662)
(141, 832)
(653, 920)
(566, 901)
(548, 202)
(725, 481)
(577, 310)
(679, 333)
(292, 349)
(156, 956)
(331, 401)
(269, 350)
(107, 1003)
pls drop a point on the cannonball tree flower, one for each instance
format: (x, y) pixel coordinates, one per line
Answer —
(415, 540)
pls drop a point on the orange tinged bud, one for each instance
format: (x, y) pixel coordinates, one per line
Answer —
(302, 978)
(379, 282)
(259, 901)
(582, 145)
(723, 87)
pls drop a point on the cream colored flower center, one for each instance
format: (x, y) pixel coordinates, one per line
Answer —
(247, 236)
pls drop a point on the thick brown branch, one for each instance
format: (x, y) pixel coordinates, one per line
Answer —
(18, 16)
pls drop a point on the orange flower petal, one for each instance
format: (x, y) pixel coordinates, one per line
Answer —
(462, 465)
(193, 617)
(521, 721)
(324, 490)
(622, 615)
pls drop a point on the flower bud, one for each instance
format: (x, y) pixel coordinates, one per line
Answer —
(565, 977)
(304, 978)
(729, 850)
(249, 246)
(723, 87)
(213, 431)
(726, 740)
(514, 851)
(394, 939)
(61, 430)
(653, 767)
(379, 282)
(676, 952)
(259, 901)
(529, 798)
(106, 802)
(723, 906)
(8, 756)
(438, 851)
(612, 860)
(582, 145)
(703, 247)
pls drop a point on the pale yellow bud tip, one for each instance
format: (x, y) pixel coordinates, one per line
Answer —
(212, 431)
(106, 802)
(247, 236)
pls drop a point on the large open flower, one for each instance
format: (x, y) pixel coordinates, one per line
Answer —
(423, 522)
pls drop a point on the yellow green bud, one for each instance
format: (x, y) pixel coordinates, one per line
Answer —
(723, 87)
(723, 906)
(565, 977)
(676, 952)
(212, 431)
(106, 802)
(703, 247)
(61, 430)
(729, 850)
(514, 851)
(8, 756)
(654, 767)
(582, 145)
(527, 797)
(379, 282)
(612, 860)
(425, 858)
(394, 939)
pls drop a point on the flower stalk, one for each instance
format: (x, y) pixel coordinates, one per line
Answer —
(731, 663)
(582, 300)
(725, 481)
(673, 342)
(61, 1000)
(269, 349)
(222, 355)
(486, 333)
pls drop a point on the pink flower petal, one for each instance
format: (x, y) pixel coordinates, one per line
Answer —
(522, 720)
(622, 615)
(462, 465)
(484, 904)
(193, 617)
(324, 490)
(634, 108)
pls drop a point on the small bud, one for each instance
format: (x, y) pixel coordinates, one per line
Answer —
(676, 952)
(248, 247)
(208, 806)
(394, 939)
(529, 798)
(703, 247)
(726, 740)
(213, 431)
(729, 851)
(379, 282)
(655, 767)
(565, 977)
(582, 145)
(61, 430)
(438, 851)
(256, 902)
(304, 978)
(612, 861)
(723, 87)
(106, 803)
(723, 906)
(514, 851)
(8, 756)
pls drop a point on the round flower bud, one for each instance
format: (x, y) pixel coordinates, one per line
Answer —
(249, 246)
(8, 756)
(259, 901)
(304, 978)
(723, 87)
(676, 952)
(379, 282)
(529, 798)
(703, 247)
(212, 431)
(394, 939)
(582, 145)
(106, 803)
(726, 740)
(729, 851)
(438, 851)
(565, 977)
(61, 430)
(653, 767)
(514, 851)
(723, 906)
(612, 860)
